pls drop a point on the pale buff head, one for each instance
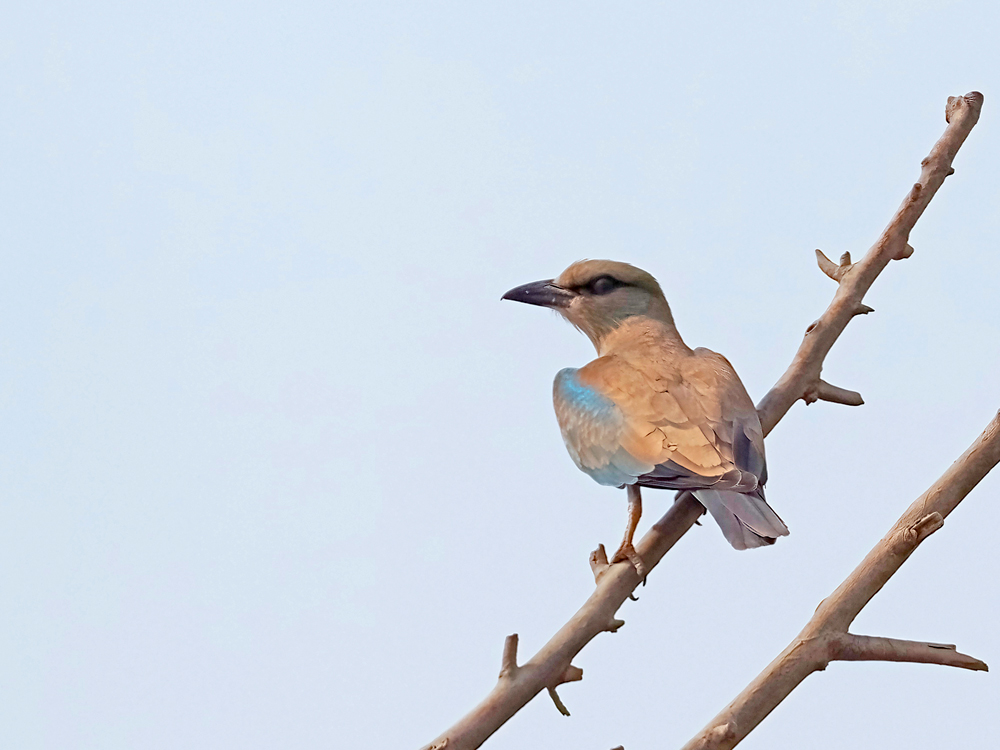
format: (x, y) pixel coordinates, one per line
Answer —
(597, 296)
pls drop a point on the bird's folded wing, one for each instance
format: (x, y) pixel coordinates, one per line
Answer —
(712, 392)
(672, 428)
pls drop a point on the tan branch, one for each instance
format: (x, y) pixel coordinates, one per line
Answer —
(615, 583)
(823, 391)
(548, 668)
(855, 279)
(850, 647)
(826, 638)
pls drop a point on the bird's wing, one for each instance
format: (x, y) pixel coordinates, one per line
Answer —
(712, 393)
(710, 384)
(687, 427)
(592, 427)
(620, 423)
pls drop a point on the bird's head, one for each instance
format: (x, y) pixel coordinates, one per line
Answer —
(597, 296)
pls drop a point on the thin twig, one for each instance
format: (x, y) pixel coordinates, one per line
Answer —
(851, 647)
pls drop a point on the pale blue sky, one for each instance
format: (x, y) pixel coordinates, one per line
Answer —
(278, 468)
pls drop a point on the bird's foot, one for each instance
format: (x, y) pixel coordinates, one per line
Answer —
(627, 552)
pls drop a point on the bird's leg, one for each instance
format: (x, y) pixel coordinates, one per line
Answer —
(626, 551)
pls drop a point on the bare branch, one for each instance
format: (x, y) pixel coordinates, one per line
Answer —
(546, 668)
(856, 279)
(826, 638)
(615, 583)
(850, 647)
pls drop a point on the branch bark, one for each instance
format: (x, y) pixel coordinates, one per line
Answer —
(801, 379)
(826, 638)
(547, 668)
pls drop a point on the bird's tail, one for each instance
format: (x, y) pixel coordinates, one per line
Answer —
(746, 520)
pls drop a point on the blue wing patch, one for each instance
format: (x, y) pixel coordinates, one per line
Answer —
(592, 426)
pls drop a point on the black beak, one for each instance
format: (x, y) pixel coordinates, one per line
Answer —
(542, 293)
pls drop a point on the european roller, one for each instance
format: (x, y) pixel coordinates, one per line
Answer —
(652, 412)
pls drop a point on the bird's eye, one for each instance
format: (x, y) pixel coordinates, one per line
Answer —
(603, 285)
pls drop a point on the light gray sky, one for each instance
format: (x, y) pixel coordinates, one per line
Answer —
(278, 468)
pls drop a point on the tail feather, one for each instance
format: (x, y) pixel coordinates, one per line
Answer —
(746, 521)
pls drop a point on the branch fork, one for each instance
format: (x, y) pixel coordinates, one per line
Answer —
(509, 671)
(571, 674)
(826, 637)
(835, 271)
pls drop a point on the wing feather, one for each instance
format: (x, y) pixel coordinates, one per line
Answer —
(682, 427)
(592, 427)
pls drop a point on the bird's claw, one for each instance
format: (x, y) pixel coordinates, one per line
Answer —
(627, 552)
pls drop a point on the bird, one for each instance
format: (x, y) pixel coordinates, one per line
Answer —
(650, 411)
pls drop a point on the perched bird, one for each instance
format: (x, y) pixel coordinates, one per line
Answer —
(650, 411)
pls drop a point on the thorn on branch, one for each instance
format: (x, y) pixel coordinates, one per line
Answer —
(559, 704)
(863, 309)
(599, 562)
(614, 624)
(508, 662)
(820, 390)
(905, 252)
(833, 270)
(570, 674)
